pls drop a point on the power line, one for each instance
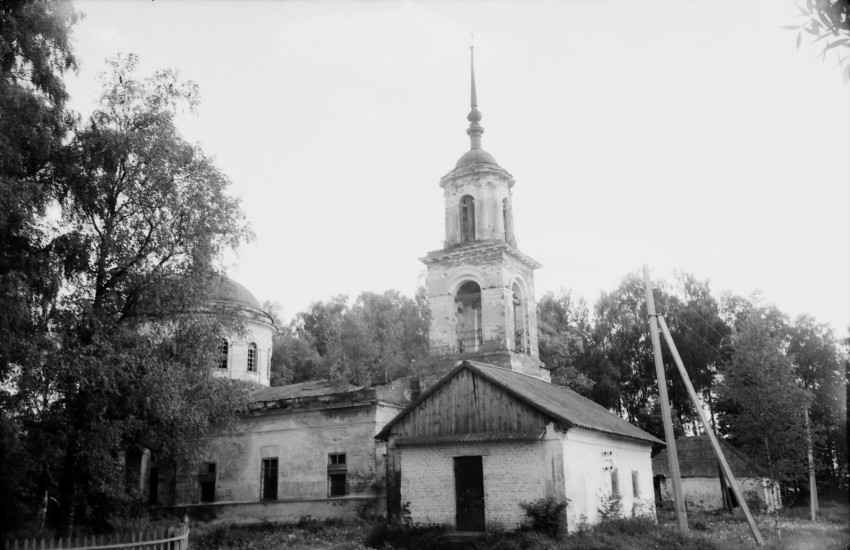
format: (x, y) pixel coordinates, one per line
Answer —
(695, 333)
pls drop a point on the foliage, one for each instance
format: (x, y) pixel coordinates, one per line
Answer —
(722, 531)
(563, 333)
(35, 53)
(611, 507)
(829, 22)
(546, 514)
(376, 340)
(119, 357)
(761, 402)
(308, 533)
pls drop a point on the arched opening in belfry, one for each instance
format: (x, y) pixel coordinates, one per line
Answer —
(520, 317)
(508, 221)
(468, 301)
(467, 218)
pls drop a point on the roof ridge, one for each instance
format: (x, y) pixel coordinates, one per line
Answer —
(508, 369)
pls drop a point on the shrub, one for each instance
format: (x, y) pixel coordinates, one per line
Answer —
(546, 514)
(611, 507)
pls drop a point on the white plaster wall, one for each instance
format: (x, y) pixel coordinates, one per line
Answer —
(702, 493)
(237, 362)
(588, 459)
(488, 188)
(514, 472)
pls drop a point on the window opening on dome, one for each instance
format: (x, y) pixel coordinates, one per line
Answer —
(468, 300)
(252, 357)
(467, 218)
(223, 349)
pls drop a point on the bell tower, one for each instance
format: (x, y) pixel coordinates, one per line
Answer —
(480, 286)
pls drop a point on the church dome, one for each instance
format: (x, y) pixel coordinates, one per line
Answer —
(230, 292)
(476, 155)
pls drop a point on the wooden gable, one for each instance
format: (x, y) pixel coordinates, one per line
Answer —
(468, 403)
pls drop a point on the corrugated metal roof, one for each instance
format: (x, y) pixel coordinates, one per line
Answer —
(697, 459)
(562, 403)
(314, 388)
(558, 402)
(470, 438)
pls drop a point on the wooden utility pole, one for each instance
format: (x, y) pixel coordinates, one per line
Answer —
(669, 436)
(714, 443)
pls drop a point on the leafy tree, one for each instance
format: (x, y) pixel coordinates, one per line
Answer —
(829, 22)
(322, 323)
(761, 404)
(563, 336)
(702, 338)
(126, 361)
(376, 340)
(35, 52)
(815, 354)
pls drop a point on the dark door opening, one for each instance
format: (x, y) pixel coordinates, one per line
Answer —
(269, 479)
(206, 478)
(469, 492)
(153, 486)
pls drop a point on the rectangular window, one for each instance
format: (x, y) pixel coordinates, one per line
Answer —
(615, 482)
(337, 471)
(252, 357)
(206, 480)
(635, 484)
(268, 481)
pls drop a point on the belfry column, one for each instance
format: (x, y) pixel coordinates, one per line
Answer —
(483, 270)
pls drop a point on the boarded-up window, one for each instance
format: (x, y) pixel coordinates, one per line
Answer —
(635, 484)
(337, 473)
(615, 482)
(467, 219)
(206, 480)
(269, 479)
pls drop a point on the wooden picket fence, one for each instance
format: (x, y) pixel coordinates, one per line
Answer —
(172, 538)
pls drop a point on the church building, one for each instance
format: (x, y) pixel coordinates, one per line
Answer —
(491, 434)
(494, 433)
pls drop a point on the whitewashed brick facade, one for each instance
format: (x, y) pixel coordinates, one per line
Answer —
(514, 472)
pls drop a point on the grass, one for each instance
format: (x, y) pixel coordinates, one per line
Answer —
(307, 534)
(789, 530)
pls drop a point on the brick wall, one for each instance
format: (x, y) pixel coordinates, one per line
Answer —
(513, 472)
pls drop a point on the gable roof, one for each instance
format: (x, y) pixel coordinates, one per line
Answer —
(697, 459)
(559, 403)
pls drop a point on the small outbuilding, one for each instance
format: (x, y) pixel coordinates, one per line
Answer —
(701, 481)
(484, 440)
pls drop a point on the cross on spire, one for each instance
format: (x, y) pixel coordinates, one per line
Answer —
(475, 129)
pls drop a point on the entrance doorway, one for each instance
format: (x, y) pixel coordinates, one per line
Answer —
(469, 492)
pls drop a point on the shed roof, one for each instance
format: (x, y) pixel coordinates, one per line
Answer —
(561, 404)
(697, 459)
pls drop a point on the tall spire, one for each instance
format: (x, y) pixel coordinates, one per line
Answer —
(475, 130)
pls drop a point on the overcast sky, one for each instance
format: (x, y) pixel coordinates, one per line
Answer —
(691, 136)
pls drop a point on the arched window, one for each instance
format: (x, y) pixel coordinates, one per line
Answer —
(468, 300)
(252, 357)
(223, 349)
(467, 218)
